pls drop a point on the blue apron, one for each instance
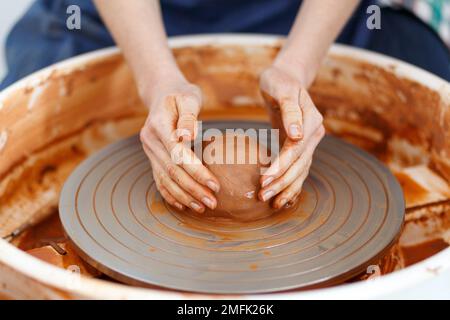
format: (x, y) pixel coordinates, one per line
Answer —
(41, 37)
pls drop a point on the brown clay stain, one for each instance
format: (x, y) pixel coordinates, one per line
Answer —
(412, 191)
(417, 253)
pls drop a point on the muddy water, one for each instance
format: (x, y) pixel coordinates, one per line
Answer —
(49, 230)
(417, 253)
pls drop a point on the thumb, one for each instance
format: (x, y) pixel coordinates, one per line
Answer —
(188, 106)
(284, 95)
(292, 116)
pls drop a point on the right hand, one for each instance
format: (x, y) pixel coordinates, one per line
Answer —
(174, 106)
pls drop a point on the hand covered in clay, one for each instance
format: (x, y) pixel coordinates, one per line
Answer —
(300, 123)
(183, 182)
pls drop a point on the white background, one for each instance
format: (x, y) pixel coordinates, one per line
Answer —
(10, 11)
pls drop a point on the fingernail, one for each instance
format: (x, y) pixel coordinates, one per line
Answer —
(183, 133)
(209, 203)
(212, 185)
(267, 181)
(289, 204)
(294, 130)
(196, 206)
(179, 205)
(282, 202)
(267, 195)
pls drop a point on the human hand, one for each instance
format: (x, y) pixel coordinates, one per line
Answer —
(183, 182)
(300, 123)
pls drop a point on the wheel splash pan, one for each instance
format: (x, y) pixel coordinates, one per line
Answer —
(55, 118)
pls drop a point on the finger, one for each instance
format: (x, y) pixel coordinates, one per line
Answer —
(285, 91)
(186, 158)
(195, 168)
(299, 166)
(179, 152)
(291, 115)
(176, 192)
(169, 198)
(289, 153)
(186, 182)
(313, 119)
(291, 192)
(188, 106)
(179, 176)
(164, 192)
(291, 150)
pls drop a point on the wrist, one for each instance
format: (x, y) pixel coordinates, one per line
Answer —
(150, 83)
(293, 65)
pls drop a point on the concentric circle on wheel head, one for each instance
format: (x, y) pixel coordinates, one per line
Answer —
(350, 211)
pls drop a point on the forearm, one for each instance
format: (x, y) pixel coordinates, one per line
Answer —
(316, 27)
(138, 30)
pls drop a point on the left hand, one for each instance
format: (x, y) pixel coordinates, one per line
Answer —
(300, 123)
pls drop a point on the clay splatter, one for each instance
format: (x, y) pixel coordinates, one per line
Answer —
(3, 139)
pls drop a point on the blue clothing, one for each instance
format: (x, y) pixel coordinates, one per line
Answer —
(41, 37)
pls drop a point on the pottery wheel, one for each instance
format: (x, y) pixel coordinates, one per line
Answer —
(350, 212)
